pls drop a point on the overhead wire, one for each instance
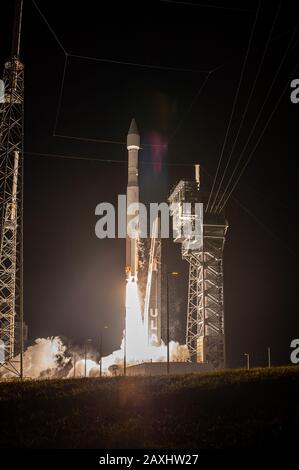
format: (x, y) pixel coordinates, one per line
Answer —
(264, 226)
(58, 109)
(108, 60)
(207, 5)
(103, 141)
(49, 26)
(255, 218)
(244, 114)
(120, 62)
(102, 160)
(189, 109)
(137, 64)
(234, 104)
(199, 91)
(219, 205)
(147, 66)
(174, 164)
(256, 145)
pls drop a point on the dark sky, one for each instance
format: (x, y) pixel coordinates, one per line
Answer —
(74, 283)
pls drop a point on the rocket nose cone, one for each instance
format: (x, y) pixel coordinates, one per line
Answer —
(133, 128)
(133, 138)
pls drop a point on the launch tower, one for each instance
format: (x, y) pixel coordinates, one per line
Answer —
(11, 207)
(205, 314)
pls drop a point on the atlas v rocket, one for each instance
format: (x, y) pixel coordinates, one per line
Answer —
(152, 301)
(133, 146)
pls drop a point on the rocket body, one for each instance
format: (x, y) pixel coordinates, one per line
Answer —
(133, 146)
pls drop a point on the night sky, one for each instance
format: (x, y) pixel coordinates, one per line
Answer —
(74, 283)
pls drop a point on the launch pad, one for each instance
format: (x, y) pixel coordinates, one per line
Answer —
(175, 368)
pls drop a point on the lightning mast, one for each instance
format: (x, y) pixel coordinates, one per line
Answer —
(11, 206)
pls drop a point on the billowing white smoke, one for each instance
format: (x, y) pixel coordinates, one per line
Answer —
(177, 352)
(92, 369)
(46, 357)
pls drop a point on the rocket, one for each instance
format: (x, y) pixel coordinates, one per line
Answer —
(133, 146)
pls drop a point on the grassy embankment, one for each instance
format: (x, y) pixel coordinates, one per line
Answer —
(233, 408)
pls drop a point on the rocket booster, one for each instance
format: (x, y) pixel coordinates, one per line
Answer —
(133, 146)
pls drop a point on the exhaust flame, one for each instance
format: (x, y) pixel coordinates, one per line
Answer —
(134, 342)
(135, 337)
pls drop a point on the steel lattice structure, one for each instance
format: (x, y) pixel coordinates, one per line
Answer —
(11, 208)
(205, 313)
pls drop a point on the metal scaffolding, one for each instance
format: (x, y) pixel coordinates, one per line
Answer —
(11, 208)
(205, 313)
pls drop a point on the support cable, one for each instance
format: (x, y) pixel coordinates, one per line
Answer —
(220, 205)
(234, 102)
(247, 105)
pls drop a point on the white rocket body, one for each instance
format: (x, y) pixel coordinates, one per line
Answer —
(133, 146)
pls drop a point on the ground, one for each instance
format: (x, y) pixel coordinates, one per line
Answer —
(233, 408)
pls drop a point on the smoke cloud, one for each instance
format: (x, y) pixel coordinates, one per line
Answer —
(45, 358)
(49, 358)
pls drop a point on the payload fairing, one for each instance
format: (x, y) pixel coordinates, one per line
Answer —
(133, 146)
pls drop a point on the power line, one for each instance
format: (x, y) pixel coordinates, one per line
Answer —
(198, 92)
(119, 62)
(60, 95)
(137, 64)
(257, 143)
(105, 141)
(195, 98)
(101, 160)
(87, 139)
(258, 118)
(187, 112)
(50, 28)
(206, 5)
(247, 105)
(266, 197)
(265, 227)
(113, 61)
(234, 102)
(73, 157)
(110, 141)
(255, 218)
